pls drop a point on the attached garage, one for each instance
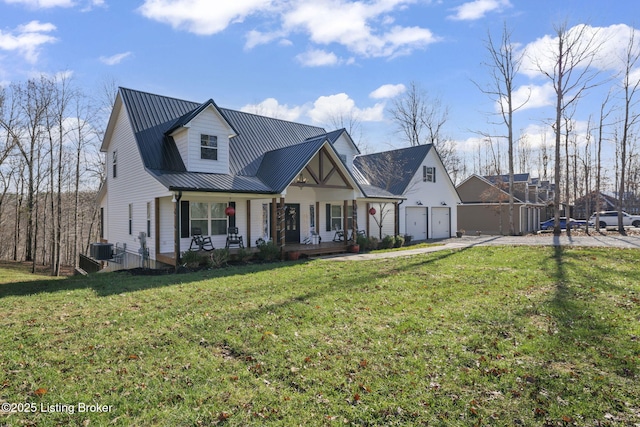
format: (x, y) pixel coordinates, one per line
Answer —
(440, 223)
(416, 222)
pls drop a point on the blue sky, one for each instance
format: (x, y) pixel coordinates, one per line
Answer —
(302, 60)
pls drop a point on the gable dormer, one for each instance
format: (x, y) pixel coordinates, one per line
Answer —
(344, 146)
(202, 137)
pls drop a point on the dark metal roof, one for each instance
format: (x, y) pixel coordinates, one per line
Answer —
(197, 181)
(280, 167)
(392, 171)
(257, 135)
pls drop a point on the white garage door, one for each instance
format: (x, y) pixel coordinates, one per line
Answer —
(416, 222)
(440, 223)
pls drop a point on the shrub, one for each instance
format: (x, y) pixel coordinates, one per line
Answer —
(387, 242)
(362, 241)
(219, 257)
(268, 251)
(243, 255)
(372, 243)
(398, 242)
(407, 238)
(193, 259)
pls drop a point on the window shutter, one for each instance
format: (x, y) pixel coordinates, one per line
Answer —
(424, 173)
(184, 219)
(328, 218)
(434, 174)
(232, 218)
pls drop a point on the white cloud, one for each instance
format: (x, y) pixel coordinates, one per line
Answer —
(42, 4)
(477, 9)
(27, 39)
(611, 43)
(317, 58)
(114, 59)
(388, 91)
(325, 108)
(532, 96)
(363, 28)
(203, 17)
(270, 107)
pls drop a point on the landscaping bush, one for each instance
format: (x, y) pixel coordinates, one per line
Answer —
(219, 257)
(387, 242)
(268, 251)
(243, 255)
(372, 243)
(194, 259)
(363, 242)
(407, 238)
(398, 242)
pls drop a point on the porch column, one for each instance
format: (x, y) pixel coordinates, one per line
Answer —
(368, 219)
(157, 225)
(354, 222)
(317, 222)
(345, 223)
(176, 227)
(248, 223)
(274, 221)
(281, 224)
(396, 214)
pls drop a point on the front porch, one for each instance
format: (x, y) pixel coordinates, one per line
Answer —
(305, 250)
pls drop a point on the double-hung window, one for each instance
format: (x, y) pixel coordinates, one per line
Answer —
(428, 174)
(208, 147)
(209, 218)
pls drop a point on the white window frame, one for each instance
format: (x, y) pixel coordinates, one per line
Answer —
(208, 144)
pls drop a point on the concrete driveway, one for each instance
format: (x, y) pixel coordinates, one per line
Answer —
(609, 241)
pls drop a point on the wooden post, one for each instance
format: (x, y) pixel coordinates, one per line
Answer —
(248, 223)
(281, 218)
(354, 221)
(274, 221)
(396, 214)
(345, 230)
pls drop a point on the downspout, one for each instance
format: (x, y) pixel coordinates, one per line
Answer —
(176, 226)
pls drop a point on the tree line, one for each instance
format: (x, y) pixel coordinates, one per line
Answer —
(50, 170)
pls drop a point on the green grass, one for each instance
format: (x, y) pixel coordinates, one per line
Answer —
(500, 336)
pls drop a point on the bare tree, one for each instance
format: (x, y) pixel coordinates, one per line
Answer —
(504, 64)
(570, 56)
(629, 88)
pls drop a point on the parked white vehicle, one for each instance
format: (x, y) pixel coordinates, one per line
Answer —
(610, 219)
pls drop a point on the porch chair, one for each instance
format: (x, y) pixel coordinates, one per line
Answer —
(202, 243)
(233, 238)
(338, 236)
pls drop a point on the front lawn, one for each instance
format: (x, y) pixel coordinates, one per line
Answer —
(500, 336)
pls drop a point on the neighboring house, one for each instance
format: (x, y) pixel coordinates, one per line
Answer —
(417, 174)
(485, 205)
(175, 166)
(586, 205)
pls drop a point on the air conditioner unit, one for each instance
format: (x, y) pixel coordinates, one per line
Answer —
(101, 251)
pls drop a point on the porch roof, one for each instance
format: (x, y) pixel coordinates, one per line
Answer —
(213, 182)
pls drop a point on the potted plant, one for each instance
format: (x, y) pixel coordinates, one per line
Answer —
(293, 255)
(354, 247)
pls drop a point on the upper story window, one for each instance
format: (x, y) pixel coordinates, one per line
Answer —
(115, 163)
(209, 147)
(428, 174)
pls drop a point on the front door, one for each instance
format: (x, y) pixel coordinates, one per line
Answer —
(292, 223)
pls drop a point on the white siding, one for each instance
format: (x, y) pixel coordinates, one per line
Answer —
(207, 123)
(133, 185)
(431, 194)
(344, 146)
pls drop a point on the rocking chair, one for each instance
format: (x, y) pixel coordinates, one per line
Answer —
(202, 243)
(233, 238)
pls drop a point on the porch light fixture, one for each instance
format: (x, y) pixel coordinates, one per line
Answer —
(173, 199)
(229, 211)
(443, 203)
(301, 179)
(419, 202)
(372, 211)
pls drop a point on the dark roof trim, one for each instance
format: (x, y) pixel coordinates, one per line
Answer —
(185, 119)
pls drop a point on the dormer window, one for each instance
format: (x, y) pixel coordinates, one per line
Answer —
(209, 147)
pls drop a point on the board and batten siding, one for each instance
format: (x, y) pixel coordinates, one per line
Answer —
(208, 122)
(132, 185)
